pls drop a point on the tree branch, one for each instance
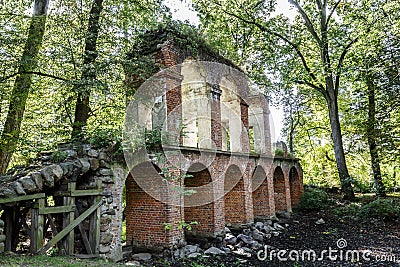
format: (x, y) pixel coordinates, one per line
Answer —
(307, 21)
(332, 11)
(34, 73)
(280, 36)
(319, 88)
(340, 63)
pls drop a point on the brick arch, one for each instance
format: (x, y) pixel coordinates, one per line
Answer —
(279, 190)
(198, 175)
(235, 196)
(144, 214)
(295, 186)
(261, 203)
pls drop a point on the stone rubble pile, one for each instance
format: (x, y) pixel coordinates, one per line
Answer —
(244, 242)
(46, 172)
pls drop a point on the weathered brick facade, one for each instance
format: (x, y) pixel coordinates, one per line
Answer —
(242, 185)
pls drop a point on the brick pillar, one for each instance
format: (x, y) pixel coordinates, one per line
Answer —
(244, 114)
(216, 128)
(295, 186)
(174, 109)
(280, 190)
(285, 169)
(248, 192)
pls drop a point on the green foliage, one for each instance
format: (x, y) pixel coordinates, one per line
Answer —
(123, 233)
(155, 138)
(384, 208)
(349, 210)
(58, 156)
(279, 152)
(186, 225)
(314, 199)
(104, 137)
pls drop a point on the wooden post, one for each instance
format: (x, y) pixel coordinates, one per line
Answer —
(37, 228)
(94, 232)
(68, 218)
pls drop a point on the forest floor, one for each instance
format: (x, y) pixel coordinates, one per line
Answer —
(341, 240)
(350, 242)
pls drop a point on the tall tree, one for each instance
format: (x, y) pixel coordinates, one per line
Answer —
(22, 84)
(372, 136)
(82, 107)
(321, 54)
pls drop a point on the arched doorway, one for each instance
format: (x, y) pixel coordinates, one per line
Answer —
(279, 190)
(295, 186)
(234, 198)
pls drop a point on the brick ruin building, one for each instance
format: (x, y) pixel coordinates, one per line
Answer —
(225, 155)
(226, 149)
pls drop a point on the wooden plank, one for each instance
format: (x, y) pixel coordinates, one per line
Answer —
(59, 209)
(94, 234)
(21, 198)
(34, 223)
(70, 227)
(70, 238)
(89, 192)
(84, 237)
(52, 225)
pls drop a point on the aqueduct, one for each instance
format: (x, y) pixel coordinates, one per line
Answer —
(218, 133)
(217, 166)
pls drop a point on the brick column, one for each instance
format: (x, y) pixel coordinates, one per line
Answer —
(216, 133)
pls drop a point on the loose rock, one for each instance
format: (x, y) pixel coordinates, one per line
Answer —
(278, 227)
(214, 251)
(142, 256)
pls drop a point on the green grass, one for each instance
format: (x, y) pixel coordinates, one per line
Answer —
(56, 261)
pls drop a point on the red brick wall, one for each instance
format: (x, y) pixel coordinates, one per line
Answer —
(280, 190)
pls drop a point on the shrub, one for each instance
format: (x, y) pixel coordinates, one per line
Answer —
(384, 208)
(349, 210)
(104, 137)
(314, 199)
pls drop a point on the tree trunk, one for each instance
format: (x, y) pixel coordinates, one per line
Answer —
(22, 85)
(371, 136)
(82, 106)
(344, 176)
